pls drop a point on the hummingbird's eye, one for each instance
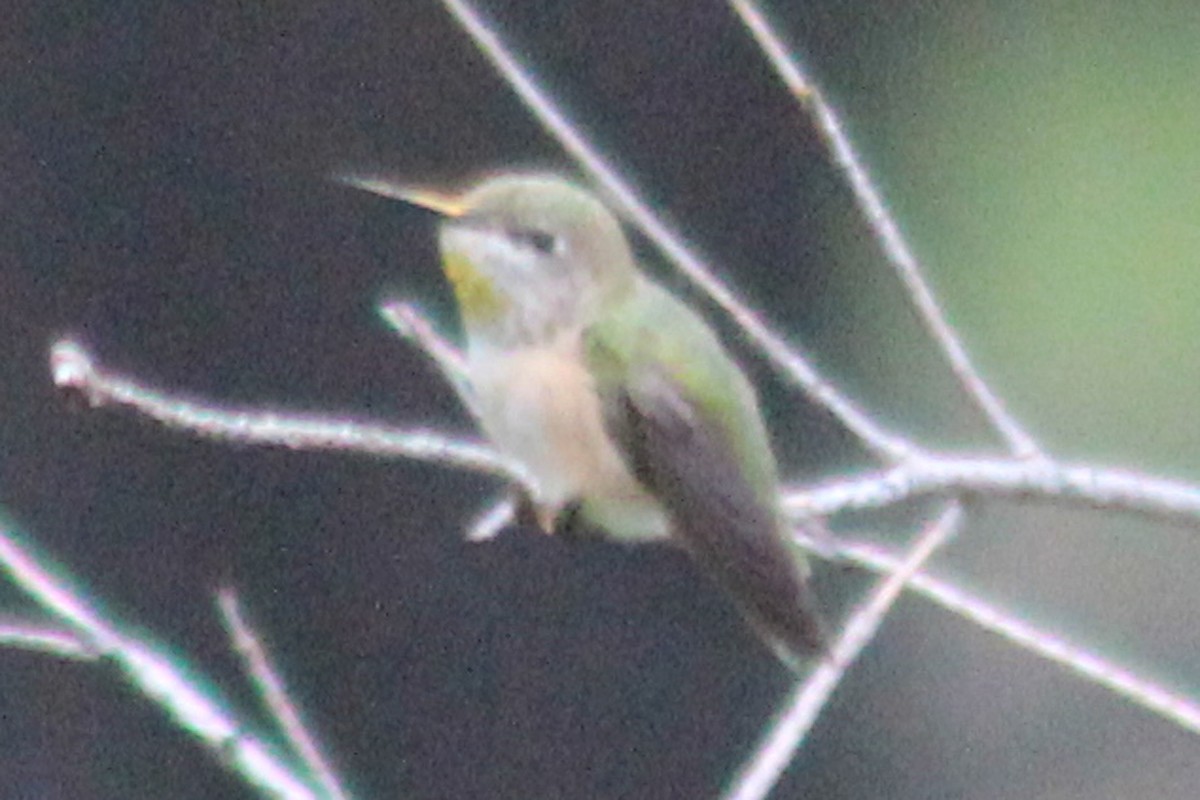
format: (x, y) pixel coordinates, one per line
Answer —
(542, 241)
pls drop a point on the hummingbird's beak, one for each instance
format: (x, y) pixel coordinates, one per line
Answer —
(444, 204)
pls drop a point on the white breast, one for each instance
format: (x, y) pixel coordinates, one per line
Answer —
(539, 406)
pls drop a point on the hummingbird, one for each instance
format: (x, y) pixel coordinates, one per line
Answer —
(616, 397)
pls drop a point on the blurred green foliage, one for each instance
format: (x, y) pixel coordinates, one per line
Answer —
(1045, 160)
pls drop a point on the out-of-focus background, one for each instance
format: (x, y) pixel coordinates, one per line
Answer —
(165, 199)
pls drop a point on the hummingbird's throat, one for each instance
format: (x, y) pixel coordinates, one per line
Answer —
(478, 300)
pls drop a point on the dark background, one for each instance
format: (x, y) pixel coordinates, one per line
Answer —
(165, 200)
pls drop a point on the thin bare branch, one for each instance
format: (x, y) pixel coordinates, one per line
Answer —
(275, 695)
(495, 518)
(884, 226)
(788, 359)
(1028, 474)
(1167, 703)
(408, 321)
(73, 368)
(155, 675)
(788, 731)
(21, 635)
(1042, 480)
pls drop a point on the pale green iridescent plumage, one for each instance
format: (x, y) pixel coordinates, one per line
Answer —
(617, 396)
(652, 327)
(594, 269)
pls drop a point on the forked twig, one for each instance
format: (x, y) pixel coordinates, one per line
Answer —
(155, 675)
(1171, 705)
(886, 444)
(886, 231)
(914, 472)
(1040, 480)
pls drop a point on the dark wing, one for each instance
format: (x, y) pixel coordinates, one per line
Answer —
(684, 459)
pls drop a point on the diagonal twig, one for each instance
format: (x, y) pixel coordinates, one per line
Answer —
(882, 442)
(1150, 695)
(155, 675)
(407, 320)
(488, 524)
(275, 695)
(885, 229)
(785, 735)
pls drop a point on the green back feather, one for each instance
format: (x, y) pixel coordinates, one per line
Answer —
(649, 329)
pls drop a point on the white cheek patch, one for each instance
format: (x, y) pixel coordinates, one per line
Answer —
(543, 294)
(493, 253)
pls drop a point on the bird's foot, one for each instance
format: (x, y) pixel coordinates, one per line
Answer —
(564, 521)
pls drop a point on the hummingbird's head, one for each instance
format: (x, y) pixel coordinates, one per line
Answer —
(532, 256)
